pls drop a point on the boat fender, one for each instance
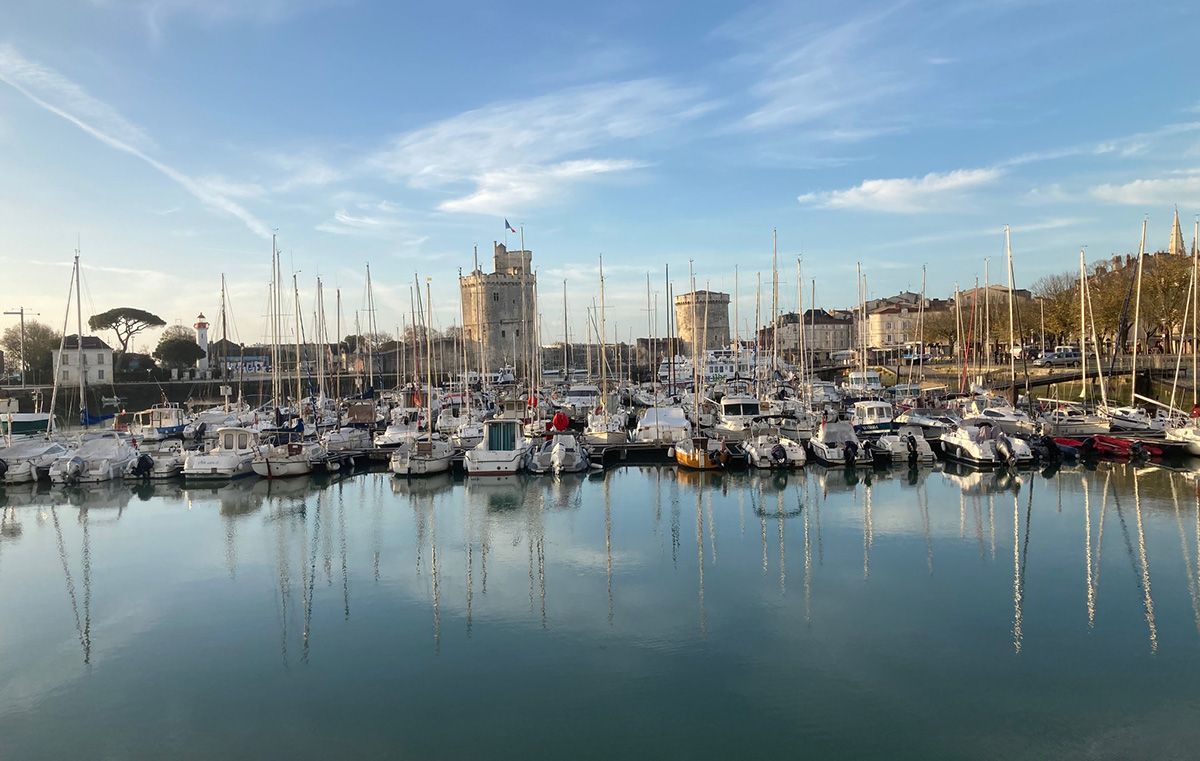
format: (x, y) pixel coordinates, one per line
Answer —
(670, 451)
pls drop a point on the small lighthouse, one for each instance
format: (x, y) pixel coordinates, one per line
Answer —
(202, 341)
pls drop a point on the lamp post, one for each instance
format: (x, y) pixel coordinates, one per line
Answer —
(21, 311)
(1042, 309)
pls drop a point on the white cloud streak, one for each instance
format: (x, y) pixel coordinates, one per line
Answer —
(54, 93)
(156, 13)
(1150, 192)
(522, 152)
(905, 195)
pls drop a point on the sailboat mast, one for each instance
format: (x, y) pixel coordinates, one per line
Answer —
(603, 349)
(371, 330)
(737, 342)
(1137, 308)
(987, 316)
(1195, 307)
(429, 360)
(296, 310)
(1012, 359)
(774, 303)
(1082, 325)
(79, 346)
(566, 368)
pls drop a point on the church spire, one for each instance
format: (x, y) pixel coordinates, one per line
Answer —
(1177, 247)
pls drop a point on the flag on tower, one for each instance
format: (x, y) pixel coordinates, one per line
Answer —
(507, 226)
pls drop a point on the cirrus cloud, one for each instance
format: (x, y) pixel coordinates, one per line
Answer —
(905, 195)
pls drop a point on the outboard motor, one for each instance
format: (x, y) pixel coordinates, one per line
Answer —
(3, 468)
(1051, 447)
(1004, 447)
(200, 429)
(143, 466)
(849, 453)
(779, 453)
(912, 447)
(74, 469)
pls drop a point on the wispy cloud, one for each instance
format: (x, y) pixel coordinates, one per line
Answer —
(157, 13)
(905, 194)
(811, 72)
(58, 95)
(514, 154)
(516, 187)
(1150, 192)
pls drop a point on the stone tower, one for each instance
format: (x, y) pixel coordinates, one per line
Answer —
(1177, 246)
(691, 333)
(499, 309)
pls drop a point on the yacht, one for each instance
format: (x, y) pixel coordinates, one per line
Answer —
(1188, 435)
(1072, 423)
(426, 456)
(100, 457)
(700, 453)
(872, 418)
(24, 461)
(932, 422)
(288, 454)
(560, 453)
(907, 444)
(662, 425)
(736, 417)
(500, 452)
(836, 444)
(985, 444)
(773, 450)
(230, 458)
(164, 462)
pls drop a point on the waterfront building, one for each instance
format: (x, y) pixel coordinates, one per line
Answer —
(97, 361)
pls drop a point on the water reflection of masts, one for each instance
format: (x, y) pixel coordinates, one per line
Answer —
(433, 566)
(807, 555)
(923, 507)
(1192, 577)
(230, 545)
(1148, 601)
(308, 573)
(675, 529)
(1087, 551)
(608, 547)
(700, 553)
(991, 524)
(868, 531)
(342, 549)
(283, 578)
(82, 628)
(1017, 571)
(782, 556)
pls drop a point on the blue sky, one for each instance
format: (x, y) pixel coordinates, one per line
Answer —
(171, 137)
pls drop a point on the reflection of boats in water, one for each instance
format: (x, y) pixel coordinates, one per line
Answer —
(237, 497)
(426, 486)
(838, 479)
(498, 492)
(99, 494)
(980, 481)
(712, 478)
(294, 488)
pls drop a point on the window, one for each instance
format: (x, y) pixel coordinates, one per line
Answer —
(503, 333)
(495, 297)
(518, 333)
(99, 359)
(99, 375)
(66, 374)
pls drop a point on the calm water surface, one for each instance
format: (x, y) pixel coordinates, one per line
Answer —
(643, 614)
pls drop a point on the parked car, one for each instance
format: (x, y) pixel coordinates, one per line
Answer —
(1059, 359)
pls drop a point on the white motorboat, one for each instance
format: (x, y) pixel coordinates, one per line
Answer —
(662, 425)
(426, 456)
(560, 453)
(579, 401)
(932, 422)
(1188, 435)
(985, 444)
(100, 457)
(500, 452)
(907, 444)
(288, 455)
(161, 463)
(162, 421)
(1137, 419)
(346, 439)
(607, 429)
(468, 435)
(737, 417)
(835, 443)
(230, 458)
(28, 460)
(999, 413)
(773, 450)
(1072, 423)
(872, 418)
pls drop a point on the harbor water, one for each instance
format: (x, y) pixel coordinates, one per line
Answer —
(941, 613)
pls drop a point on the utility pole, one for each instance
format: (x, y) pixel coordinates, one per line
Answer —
(21, 311)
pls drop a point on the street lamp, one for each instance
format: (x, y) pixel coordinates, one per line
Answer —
(1042, 309)
(21, 311)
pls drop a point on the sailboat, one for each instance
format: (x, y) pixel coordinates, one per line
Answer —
(604, 427)
(699, 452)
(431, 454)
